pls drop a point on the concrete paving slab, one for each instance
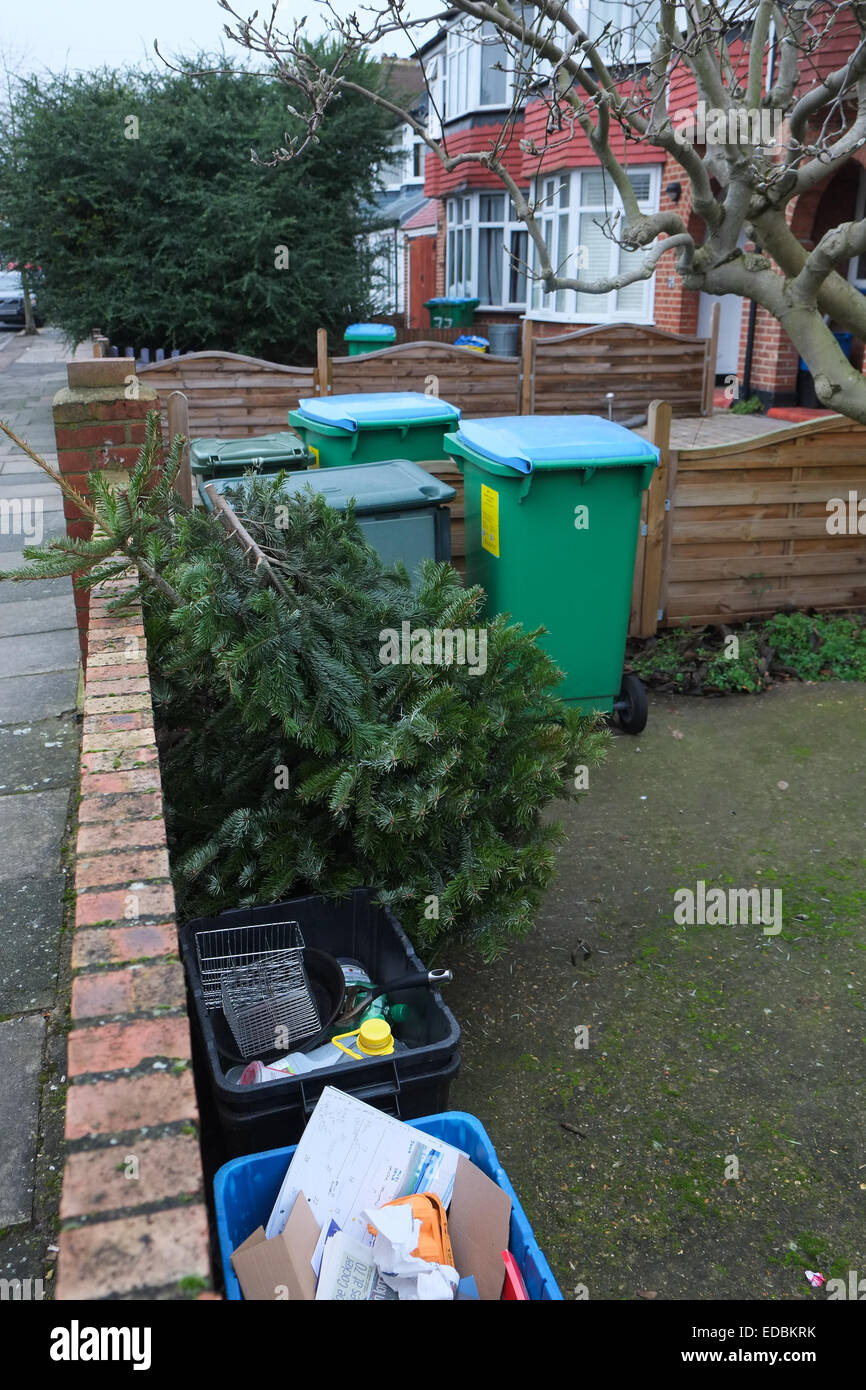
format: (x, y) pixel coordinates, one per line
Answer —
(24, 656)
(37, 616)
(30, 942)
(22, 484)
(31, 832)
(12, 591)
(24, 698)
(35, 756)
(33, 528)
(21, 1042)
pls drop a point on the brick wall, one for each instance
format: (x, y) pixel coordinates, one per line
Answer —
(133, 1216)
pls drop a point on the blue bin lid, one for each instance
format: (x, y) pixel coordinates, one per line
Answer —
(397, 485)
(452, 299)
(377, 408)
(471, 340)
(369, 330)
(526, 442)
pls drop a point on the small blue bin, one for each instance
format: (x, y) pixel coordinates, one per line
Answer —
(245, 1191)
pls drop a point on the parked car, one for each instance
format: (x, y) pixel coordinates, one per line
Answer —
(12, 299)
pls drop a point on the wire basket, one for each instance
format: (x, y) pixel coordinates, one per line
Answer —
(269, 1007)
(225, 951)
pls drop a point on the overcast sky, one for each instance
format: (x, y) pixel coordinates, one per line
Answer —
(80, 35)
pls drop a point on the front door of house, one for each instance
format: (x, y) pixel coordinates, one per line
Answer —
(422, 278)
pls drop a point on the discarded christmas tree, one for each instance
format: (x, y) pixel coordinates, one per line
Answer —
(297, 755)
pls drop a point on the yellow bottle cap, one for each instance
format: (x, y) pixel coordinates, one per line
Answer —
(375, 1037)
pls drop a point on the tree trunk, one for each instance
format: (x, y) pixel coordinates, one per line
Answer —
(29, 321)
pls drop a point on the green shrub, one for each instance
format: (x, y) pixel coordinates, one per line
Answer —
(819, 646)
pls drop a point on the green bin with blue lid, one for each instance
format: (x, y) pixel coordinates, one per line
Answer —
(264, 453)
(452, 311)
(369, 337)
(552, 517)
(400, 507)
(374, 426)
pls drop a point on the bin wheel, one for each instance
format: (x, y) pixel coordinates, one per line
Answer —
(632, 705)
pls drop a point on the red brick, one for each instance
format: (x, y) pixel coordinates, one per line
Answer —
(136, 1252)
(111, 740)
(93, 996)
(80, 530)
(74, 461)
(124, 409)
(94, 909)
(102, 688)
(143, 779)
(96, 705)
(97, 436)
(124, 835)
(134, 1102)
(136, 431)
(96, 1181)
(116, 624)
(116, 1046)
(114, 945)
(107, 869)
(119, 759)
(126, 455)
(104, 723)
(138, 806)
(120, 670)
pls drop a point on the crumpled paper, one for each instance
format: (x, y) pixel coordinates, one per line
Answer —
(411, 1277)
(815, 1279)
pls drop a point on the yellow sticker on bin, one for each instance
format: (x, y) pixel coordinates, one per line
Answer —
(315, 453)
(490, 519)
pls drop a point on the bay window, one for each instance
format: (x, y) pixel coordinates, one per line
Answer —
(486, 250)
(477, 69)
(576, 213)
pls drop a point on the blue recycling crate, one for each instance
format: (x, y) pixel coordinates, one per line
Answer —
(245, 1191)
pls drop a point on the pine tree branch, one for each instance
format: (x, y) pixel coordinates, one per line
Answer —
(81, 502)
(231, 519)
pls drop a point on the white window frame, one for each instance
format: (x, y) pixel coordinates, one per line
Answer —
(462, 63)
(562, 305)
(469, 228)
(590, 17)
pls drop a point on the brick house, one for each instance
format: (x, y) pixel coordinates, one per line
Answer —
(472, 245)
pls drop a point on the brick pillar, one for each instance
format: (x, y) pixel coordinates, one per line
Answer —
(98, 424)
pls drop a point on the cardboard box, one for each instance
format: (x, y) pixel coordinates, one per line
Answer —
(478, 1221)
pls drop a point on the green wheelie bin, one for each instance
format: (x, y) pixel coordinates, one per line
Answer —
(263, 453)
(374, 426)
(400, 507)
(552, 516)
(369, 337)
(451, 312)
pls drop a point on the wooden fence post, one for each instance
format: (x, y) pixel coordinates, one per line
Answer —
(323, 368)
(710, 360)
(526, 369)
(659, 431)
(177, 411)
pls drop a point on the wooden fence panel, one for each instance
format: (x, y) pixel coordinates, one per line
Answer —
(749, 528)
(478, 383)
(230, 396)
(573, 372)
